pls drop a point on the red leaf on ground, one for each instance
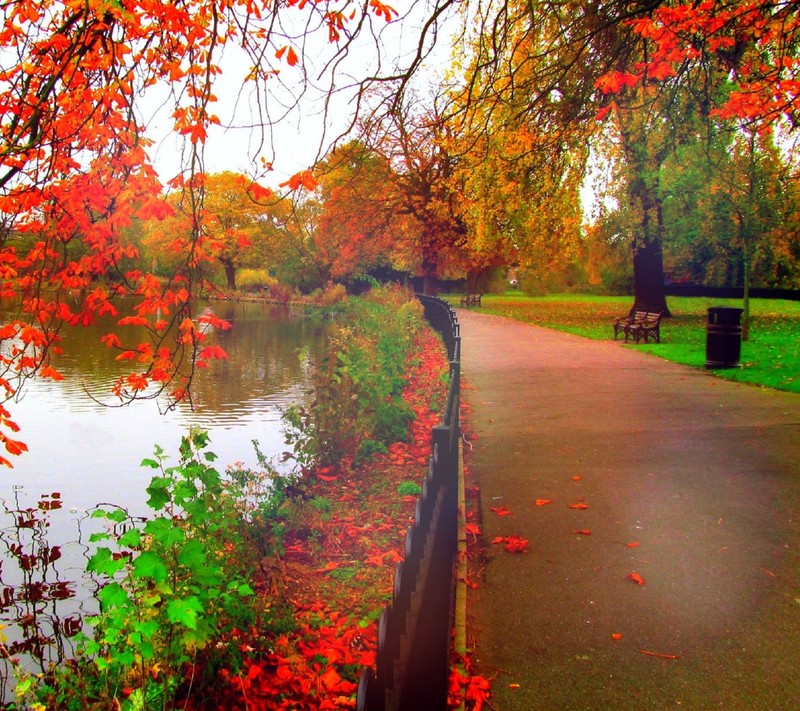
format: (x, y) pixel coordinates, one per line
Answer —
(616, 636)
(543, 502)
(583, 532)
(500, 510)
(577, 477)
(633, 544)
(579, 505)
(472, 528)
(516, 544)
(638, 579)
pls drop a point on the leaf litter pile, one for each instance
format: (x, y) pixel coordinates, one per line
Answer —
(326, 592)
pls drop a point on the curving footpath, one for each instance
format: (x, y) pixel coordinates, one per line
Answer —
(689, 481)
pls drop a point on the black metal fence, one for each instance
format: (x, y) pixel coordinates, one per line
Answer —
(413, 659)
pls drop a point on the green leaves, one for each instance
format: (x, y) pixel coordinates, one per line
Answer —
(149, 565)
(184, 612)
(168, 583)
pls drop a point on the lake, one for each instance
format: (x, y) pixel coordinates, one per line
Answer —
(84, 450)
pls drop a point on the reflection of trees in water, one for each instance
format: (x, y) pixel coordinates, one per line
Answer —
(263, 349)
(38, 606)
(41, 607)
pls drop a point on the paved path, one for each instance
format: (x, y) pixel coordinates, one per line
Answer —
(701, 473)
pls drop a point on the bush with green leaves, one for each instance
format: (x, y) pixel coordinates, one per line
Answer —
(357, 407)
(170, 586)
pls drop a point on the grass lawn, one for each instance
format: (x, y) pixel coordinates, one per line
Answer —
(770, 358)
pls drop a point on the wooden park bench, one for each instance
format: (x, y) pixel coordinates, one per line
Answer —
(640, 325)
(471, 300)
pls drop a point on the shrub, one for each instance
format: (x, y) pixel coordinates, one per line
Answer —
(358, 406)
(170, 587)
(254, 280)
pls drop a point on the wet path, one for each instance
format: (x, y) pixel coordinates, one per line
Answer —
(703, 475)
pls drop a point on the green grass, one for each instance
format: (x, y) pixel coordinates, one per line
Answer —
(770, 358)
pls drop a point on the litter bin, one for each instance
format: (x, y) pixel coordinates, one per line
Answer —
(723, 337)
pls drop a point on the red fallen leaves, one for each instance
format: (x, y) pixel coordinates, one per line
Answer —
(315, 666)
(476, 690)
(513, 543)
(473, 529)
(633, 544)
(300, 671)
(543, 502)
(583, 532)
(636, 578)
(579, 505)
(500, 510)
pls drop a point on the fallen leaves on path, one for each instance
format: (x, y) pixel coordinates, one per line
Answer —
(513, 543)
(500, 510)
(583, 532)
(638, 579)
(579, 505)
(543, 502)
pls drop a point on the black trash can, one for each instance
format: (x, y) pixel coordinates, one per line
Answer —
(724, 337)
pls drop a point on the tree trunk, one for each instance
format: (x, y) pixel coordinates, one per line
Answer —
(644, 163)
(230, 274)
(648, 265)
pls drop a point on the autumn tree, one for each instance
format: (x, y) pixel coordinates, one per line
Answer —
(231, 222)
(740, 64)
(423, 194)
(78, 86)
(357, 227)
(555, 65)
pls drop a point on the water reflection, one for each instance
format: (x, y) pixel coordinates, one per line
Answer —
(39, 607)
(83, 453)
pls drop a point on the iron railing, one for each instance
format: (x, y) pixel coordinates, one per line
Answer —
(412, 663)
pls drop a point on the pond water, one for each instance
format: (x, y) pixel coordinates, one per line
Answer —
(83, 452)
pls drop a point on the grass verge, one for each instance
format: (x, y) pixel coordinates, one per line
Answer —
(770, 358)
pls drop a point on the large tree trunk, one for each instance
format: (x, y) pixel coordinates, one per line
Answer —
(230, 274)
(648, 264)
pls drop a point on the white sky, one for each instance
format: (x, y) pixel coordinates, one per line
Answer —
(237, 145)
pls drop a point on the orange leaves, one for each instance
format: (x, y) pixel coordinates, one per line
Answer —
(582, 532)
(473, 529)
(467, 690)
(257, 192)
(303, 179)
(48, 371)
(513, 543)
(579, 505)
(543, 502)
(291, 56)
(636, 578)
(603, 112)
(615, 82)
(212, 353)
(381, 10)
